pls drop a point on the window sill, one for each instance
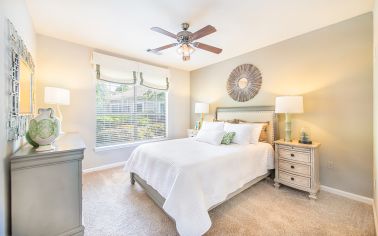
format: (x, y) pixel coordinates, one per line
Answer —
(126, 145)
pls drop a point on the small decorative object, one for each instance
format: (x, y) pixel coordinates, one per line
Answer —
(57, 96)
(244, 82)
(44, 129)
(305, 136)
(197, 125)
(289, 105)
(201, 108)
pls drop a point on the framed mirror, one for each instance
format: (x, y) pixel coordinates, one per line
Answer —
(20, 85)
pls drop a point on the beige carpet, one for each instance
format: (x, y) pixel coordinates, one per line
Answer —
(113, 207)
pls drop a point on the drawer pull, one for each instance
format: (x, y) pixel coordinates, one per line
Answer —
(292, 178)
(292, 167)
(292, 155)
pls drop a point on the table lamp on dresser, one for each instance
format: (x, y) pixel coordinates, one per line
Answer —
(57, 96)
(289, 105)
(201, 108)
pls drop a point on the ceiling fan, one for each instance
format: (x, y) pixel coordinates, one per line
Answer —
(185, 40)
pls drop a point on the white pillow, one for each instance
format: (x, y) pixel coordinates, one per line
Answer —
(256, 132)
(211, 136)
(212, 125)
(242, 132)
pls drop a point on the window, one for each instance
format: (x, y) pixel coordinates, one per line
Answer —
(129, 113)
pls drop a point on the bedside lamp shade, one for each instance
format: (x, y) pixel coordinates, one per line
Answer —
(201, 108)
(289, 104)
(58, 96)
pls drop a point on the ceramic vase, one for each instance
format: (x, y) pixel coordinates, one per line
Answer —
(44, 129)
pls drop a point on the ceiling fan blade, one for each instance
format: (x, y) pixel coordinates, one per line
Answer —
(163, 31)
(207, 47)
(203, 32)
(157, 50)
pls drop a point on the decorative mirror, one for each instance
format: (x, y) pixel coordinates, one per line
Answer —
(20, 85)
(244, 82)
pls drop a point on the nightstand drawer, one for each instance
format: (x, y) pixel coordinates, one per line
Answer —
(294, 149)
(295, 167)
(294, 179)
(294, 155)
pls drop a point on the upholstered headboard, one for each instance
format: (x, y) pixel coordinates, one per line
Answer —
(251, 114)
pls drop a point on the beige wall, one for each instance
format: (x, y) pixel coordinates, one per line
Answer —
(16, 11)
(375, 87)
(332, 69)
(67, 65)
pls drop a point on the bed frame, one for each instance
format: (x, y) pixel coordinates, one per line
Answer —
(251, 114)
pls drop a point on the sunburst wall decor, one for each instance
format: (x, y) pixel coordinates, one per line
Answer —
(244, 82)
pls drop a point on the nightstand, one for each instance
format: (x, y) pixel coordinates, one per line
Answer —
(297, 166)
(192, 133)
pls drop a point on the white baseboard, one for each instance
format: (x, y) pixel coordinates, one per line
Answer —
(375, 218)
(347, 194)
(104, 167)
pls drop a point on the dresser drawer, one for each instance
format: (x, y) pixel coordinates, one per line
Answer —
(294, 179)
(295, 167)
(294, 155)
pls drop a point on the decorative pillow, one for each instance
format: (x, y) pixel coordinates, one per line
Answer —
(211, 136)
(264, 133)
(228, 137)
(242, 132)
(212, 125)
(256, 132)
(264, 130)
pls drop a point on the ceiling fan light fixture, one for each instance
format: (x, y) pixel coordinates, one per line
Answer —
(185, 58)
(185, 50)
(187, 41)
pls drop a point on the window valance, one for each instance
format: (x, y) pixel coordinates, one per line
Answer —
(119, 70)
(153, 77)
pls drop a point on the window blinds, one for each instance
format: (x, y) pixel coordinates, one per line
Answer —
(131, 101)
(129, 113)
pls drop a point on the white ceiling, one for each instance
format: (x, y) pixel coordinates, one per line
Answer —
(123, 26)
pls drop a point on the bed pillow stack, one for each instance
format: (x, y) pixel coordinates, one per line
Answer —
(217, 133)
(244, 133)
(211, 132)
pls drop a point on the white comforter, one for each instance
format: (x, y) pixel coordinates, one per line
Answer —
(193, 176)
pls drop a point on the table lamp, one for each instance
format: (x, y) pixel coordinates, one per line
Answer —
(57, 96)
(289, 105)
(201, 108)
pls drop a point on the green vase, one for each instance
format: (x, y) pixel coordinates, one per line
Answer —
(44, 129)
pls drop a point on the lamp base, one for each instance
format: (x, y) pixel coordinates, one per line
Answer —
(287, 127)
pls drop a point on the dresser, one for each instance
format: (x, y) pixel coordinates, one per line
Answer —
(297, 166)
(46, 189)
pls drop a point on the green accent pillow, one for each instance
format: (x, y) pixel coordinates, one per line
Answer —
(228, 137)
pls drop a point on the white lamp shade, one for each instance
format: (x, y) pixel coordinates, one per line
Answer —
(57, 96)
(201, 107)
(289, 104)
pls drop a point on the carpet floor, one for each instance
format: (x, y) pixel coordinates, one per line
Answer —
(114, 207)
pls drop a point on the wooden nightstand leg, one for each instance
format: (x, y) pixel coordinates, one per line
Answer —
(313, 196)
(277, 185)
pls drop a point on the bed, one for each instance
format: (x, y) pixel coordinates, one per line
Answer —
(187, 178)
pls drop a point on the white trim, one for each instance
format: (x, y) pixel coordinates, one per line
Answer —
(104, 167)
(347, 194)
(375, 218)
(126, 145)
